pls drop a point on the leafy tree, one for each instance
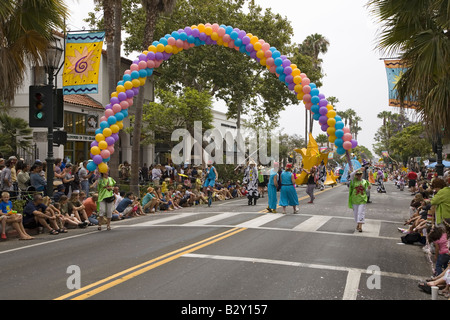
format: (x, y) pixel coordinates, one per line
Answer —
(322, 139)
(25, 31)
(14, 134)
(362, 152)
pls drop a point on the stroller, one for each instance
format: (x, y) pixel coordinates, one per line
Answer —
(380, 186)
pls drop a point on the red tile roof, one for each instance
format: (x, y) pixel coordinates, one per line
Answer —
(83, 100)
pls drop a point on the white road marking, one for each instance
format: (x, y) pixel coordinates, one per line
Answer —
(370, 229)
(312, 224)
(352, 284)
(212, 219)
(260, 221)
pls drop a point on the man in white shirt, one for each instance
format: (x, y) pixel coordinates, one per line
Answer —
(156, 175)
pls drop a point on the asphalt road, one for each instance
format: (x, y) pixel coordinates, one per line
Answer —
(229, 251)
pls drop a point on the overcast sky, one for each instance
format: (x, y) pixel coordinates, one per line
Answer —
(354, 73)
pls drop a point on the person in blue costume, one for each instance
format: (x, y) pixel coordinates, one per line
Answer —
(272, 189)
(288, 195)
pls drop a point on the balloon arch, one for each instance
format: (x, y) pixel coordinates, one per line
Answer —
(212, 34)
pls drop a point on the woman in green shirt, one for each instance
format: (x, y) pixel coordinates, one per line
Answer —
(357, 197)
(105, 203)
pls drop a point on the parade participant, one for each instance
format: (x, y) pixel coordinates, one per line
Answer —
(288, 195)
(311, 184)
(322, 175)
(272, 189)
(357, 197)
(412, 177)
(262, 180)
(105, 200)
(366, 173)
(210, 181)
(251, 182)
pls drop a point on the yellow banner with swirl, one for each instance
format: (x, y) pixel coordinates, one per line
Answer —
(82, 63)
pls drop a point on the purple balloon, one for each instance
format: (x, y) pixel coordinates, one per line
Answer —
(246, 40)
(142, 57)
(321, 96)
(180, 30)
(166, 56)
(324, 127)
(203, 36)
(110, 141)
(354, 143)
(323, 103)
(196, 33)
(208, 41)
(136, 61)
(291, 86)
(115, 136)
(287, 70)
(97, 159)
(114, 100)
(91, 155)
(289, 79)
(286, 63)
(151, 56)
(188, 31)
(242, 34)
(253, 55)
(122, 96)
(159, 56)
(237, 30)
(249, 47)
(108, 106)
(323, 120)
(94, 144)
(129, 93)
(323, 111)
(136, 91)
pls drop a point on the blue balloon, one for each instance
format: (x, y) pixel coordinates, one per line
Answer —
(339, 142)
(283, 78)
(340, 151)
(238, 42)
(315, 100)
(176, 35)
(339, 133)
(183, 36)
(125, 112)
(135, 75)
(104, 125)
(312, 85)
(119, 116)
(234, 35)
(338, 118)
(107, 159)
(228, 30)
(339, 125)
(167, 36)
(316, 116)
(273, 49)
(112, 120)
(99, 130)
(91, 166)
(315, 108)
(280, 70)
(121, 83)
(142, 73)
(276, 54)
(278, 62)
(314, 92)
(191, 39)
(149, 72)
(164, 41)
(127, 77)
(155, 43)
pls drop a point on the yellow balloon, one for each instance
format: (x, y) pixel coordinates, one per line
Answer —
(142, 81)
(257, 46)
(294, 66)
(300, 96)
(168, 49)
(331, 122)
(99, 137)
(160, 47)
(152, 48)
(114, 95)
(296, 72)
(298, 88)
(201, 27)
(136, 83)
(107, 132)
(214, 36)
(331, 114)
(263, 61)
(102, 145)
(254, 40)
(220, 42)
(103, 167)
(329, 107)
(297, 79)
(120, 124)
(208, 31)
(114, 128)
(225, 44)
(95, 150)
(120, 89)
(145, 52)
(128, 85)
(332, 139)
(260, 53)
(331, 131)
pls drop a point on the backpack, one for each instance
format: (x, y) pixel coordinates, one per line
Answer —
(411, 238)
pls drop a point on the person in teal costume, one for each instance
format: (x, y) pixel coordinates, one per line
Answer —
(272, 189)
(288, 194)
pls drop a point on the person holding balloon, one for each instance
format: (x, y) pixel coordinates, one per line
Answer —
(105, 202)
(357, 197)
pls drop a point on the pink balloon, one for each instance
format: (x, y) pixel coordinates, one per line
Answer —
(226, 38)
(158, 63)
(270, 62)
(124, 105)
(221, 32)
(347, 145)
(106, 154)
(303, 75)
(180, 43)
(306, 89)
(151, 63)
(305, 81)
(215, 27)
(346, 130)
(307, 98)
(308, 105)
(142, 65)
(134, 67)
(273, 69)
(231, 44)
(268, 54)
(127, 72)
(261, 41)
(266, 47)
(130, 102)
(110, 149)
(117, 108)
(103, 119)
(191, 45)
(348, 137)
(109, 113)
(186, 45)
(171, 41)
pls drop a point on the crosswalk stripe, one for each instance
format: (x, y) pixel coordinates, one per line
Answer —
(212, 219)
(370, 229)
(312, 224)
(260, 221)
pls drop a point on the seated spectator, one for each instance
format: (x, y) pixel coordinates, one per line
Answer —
(150, 201)
(438, 237)
(35, 214)
(129, 206)
(60, 191)
(54, 211)
(15, 219)
(90, 207)
(70, 214)
(77, 205)
(415, 204)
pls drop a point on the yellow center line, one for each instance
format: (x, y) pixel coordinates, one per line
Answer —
(305, 197)
(112, 281)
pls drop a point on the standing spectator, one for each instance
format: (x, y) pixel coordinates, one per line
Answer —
(412, 177)
(36, 179)
(68, 179)
(23, 176)
(105, 199)
(156, 175)
(441, 201)
(13, 159)
(57, 169)
(84, 176)
(6, 177)
(144, 171)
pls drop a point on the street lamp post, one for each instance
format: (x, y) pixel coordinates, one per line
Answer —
(53, 61)
(439, 164)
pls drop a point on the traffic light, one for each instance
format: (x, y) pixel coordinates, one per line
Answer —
(41, 106)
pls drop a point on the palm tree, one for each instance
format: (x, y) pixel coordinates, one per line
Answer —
(354, 127)
(26, 28)
(14, 134)
(385, 115)
(418, 32)
(153, 9)
(322, 139)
